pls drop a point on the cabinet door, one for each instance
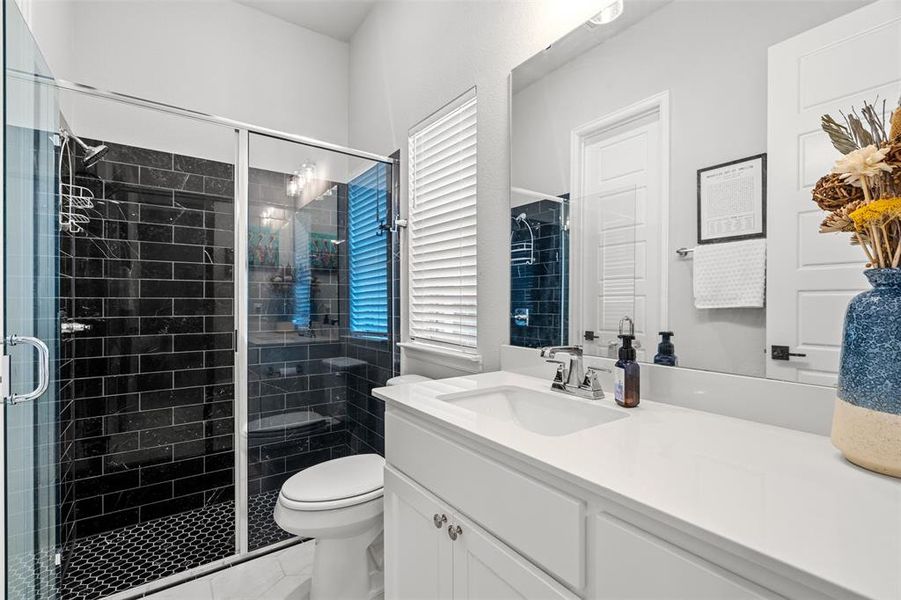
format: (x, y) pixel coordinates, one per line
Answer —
(632, 564)
(484, 568)
(418, 555)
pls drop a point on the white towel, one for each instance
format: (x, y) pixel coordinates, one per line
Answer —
(730, 274)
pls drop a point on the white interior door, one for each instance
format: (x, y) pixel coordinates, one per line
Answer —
(619, 232)
(812, 276)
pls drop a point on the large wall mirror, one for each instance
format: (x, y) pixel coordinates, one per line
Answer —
(662, 167)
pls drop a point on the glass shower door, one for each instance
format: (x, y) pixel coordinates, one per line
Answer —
(320, 323)
(30, 323)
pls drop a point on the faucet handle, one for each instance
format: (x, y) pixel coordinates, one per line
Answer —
(592, 381)
(561, 370)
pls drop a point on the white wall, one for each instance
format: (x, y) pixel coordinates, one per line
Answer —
(213, 56)
(712, 57)
(410, 58)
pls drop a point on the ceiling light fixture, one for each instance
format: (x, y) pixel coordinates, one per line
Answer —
(608, 13)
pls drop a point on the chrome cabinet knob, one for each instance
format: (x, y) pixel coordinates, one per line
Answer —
(439, 520)
(454, 531)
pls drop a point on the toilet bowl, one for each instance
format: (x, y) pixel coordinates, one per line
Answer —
(339, 503)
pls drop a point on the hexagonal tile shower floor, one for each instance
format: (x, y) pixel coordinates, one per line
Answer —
(104, 564)
(261, 527)
(112, 562)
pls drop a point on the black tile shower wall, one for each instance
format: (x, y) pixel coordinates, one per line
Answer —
(539, 288)
(149, 424)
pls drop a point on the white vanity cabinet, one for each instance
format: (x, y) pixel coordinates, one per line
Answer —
(631, 563)
(526, 534)
(437, 553)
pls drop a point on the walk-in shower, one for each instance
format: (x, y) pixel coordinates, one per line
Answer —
(213, 324)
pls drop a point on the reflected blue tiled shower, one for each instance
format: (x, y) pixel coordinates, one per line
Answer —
(538, 290)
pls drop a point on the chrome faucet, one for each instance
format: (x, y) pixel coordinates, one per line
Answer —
(571, 377)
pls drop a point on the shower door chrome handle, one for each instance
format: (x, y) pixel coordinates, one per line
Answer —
(43, 370)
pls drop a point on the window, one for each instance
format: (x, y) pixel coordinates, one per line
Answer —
(367, 205)
(443, 227)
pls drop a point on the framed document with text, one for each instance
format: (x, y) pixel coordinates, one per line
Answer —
(732, 201)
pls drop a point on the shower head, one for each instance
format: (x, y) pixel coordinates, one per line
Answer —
(92, 154)
(520, 218)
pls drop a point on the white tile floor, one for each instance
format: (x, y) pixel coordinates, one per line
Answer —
(282, 575)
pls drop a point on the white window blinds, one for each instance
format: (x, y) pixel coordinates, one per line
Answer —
(443, 228)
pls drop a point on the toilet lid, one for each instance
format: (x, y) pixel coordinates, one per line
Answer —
(337, 479)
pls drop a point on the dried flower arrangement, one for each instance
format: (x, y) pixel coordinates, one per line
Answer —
(862, 194)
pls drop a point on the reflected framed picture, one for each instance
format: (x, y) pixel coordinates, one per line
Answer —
(732, 201)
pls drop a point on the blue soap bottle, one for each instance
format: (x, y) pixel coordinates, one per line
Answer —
(666, 350)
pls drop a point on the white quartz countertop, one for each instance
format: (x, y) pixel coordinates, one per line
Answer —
(784, 494)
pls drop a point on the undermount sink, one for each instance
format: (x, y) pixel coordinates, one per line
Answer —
(545, 413)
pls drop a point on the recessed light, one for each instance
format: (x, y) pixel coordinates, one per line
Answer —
(608, 13)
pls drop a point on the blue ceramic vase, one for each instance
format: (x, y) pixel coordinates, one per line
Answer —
(866, 424)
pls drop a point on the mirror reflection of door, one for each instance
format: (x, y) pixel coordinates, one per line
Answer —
(619, 169)
(815, 276)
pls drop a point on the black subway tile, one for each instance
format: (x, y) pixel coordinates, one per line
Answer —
(95, 486)
(108, 522)
(171, 435)
(170, 398)
(204, 482)
(137, 496)
(141, 344)
(171, 252)
(170, 179)
(170, 471)
(139, 156)
(177, 505)
(152, 288)
(171, 362)
(171, 325)
(137, 383)
(137, 421)
(202, 166)
(124, 461)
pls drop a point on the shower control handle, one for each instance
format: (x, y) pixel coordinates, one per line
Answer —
(454, 531)
(73, 327)
(439, 520)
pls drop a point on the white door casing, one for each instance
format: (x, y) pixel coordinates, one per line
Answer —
(619, 224)
(811, 277)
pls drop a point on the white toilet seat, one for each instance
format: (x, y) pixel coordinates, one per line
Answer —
(330, 504)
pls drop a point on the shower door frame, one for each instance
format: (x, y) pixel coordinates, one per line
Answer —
(242, 131)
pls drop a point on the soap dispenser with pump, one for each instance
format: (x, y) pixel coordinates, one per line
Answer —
(666, 350)
(626, 372)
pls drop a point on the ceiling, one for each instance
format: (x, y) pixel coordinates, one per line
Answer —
(338, 19)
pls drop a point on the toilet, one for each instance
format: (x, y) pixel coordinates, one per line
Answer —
(339, 503)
